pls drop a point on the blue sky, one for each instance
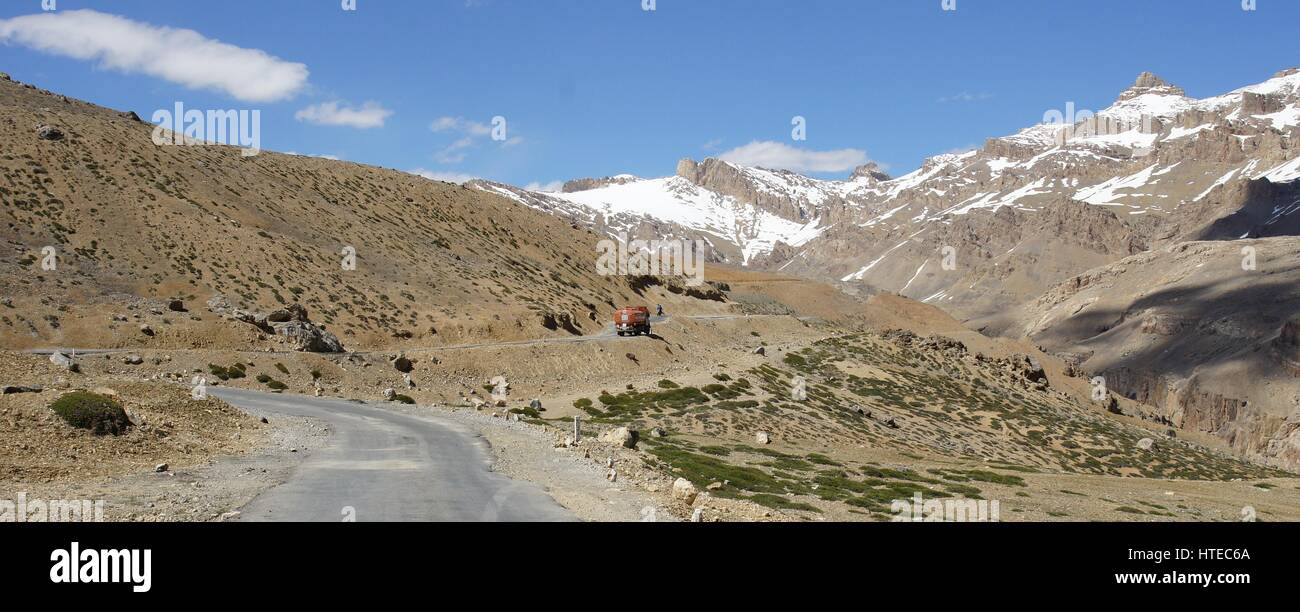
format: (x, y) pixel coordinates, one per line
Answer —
(600, 87)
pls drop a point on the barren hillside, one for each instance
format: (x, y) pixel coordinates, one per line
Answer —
(134, 225)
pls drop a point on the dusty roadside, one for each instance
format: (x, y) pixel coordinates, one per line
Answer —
(578, 475)
(205, 492)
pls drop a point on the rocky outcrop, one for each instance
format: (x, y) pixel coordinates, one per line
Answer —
(871, 172)
(1286, 347)
(587, 184)
(290, 323)
(309, 338)
(49, 132)
(1149, 83)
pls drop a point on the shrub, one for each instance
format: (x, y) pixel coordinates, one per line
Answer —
(263, 378)
(315, 374)
(667, 384)
(98, 413)
(282, 369)
(404, 399)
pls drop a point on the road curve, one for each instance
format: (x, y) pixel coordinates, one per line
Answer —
(388, 466)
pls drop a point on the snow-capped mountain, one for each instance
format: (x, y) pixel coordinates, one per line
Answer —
(741, 212)
(979, 231)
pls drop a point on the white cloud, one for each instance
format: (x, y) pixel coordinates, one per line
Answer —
(551, 187)
(471, 132)
(449, 177)
(454, 153)
(776, 155)
(180, 56)
(370, 115)
(460, 124)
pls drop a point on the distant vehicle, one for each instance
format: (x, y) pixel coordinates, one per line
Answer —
(632, 320)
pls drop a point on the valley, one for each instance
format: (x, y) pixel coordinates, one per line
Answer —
(832, 365)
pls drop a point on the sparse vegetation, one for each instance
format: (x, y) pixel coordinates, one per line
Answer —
(100, 414)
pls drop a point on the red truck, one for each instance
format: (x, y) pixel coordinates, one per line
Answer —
(633, 320)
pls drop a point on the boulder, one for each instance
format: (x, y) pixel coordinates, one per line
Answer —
(160, 468)
(684, 490)
(389, 394)
(220, 304)
(256, 319)
(12, 389)
(308, 338)
(658, 432)
(176, 306)
(59, 359)
(146, 330)
(1147, 444)
(403, 365)
(763, 437)
(133, 360)
(49, 132)
(64, 361)
(620, 436)
(1029, 369)
(760, 351)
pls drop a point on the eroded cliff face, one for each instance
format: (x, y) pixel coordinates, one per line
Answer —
(1256, 432)
(1205, 333)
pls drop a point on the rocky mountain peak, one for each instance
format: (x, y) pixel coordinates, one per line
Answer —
(1286, 73)
(587, 184)
(688, 169)
(1149, 83)
(870, 170)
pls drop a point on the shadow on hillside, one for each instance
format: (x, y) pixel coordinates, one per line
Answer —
(1211, 323)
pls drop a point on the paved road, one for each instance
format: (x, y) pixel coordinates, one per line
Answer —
(388, 466)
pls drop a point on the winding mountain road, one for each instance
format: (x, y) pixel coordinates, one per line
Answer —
(381, 465)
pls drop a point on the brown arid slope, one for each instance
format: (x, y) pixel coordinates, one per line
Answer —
(1202, 332)
(134, 225)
